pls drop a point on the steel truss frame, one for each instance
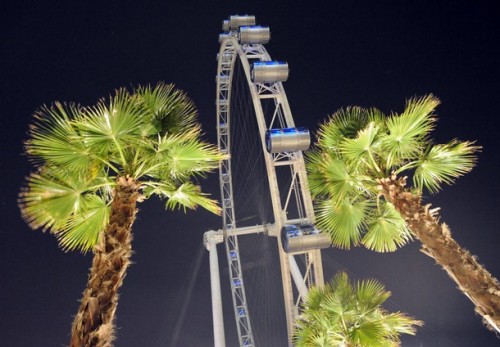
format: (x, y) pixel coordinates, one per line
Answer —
(230, 50)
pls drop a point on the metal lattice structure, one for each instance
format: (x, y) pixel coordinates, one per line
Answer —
(243, 41)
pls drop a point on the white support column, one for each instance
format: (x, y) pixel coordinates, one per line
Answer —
(211, 239)
(319, 279)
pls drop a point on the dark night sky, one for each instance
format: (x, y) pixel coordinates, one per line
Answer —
(347, 53)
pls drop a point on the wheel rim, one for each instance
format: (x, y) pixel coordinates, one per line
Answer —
(232, 49)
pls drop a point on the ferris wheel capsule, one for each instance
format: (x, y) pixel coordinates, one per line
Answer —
(269, 72)
(254, 34)
(287, 140)
(237, 21)
(303, 237)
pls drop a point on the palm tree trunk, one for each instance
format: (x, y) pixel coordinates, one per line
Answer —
(472, 278)
(94, 322)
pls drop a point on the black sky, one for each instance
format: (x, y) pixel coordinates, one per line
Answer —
(340, 53)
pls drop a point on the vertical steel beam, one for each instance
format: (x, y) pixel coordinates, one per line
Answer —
(211, 239)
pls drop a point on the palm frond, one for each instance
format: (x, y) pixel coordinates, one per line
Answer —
(330, 177)
(82, 230)
(192, 157)
(315, 172)
(112, 126)
(337, 302)
(408, 132)
(387, 230)
(363, 149)
(163, 189)
(343, 313)
(315, 298)
(371, 294)
(369, 333)
(54, 139)
(152, 152)
(52, 196)
(400, 323)
(345, 123)
(150, 134)
(374, 115)
(443, 164)
(316, 330)
(338, 297)
(189, 196)
(170, 110)
(48, 200)
(177, 157)
(344, 222)
(341, 285)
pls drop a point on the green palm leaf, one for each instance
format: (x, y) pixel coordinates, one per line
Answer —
(399, 323)
(332, 177)
(170, 110)
(370, 294)
(370, 334)
(314, 301)
(315, 168)
(443, 164)
(387, 230)
(80, 153)
(344, 221)
(336, 303)
(177, 157)
(54, 138)
(53, 195)
(153, 154)
(82, 229)
(374, 115)
(49, 200)
(111, 127)
(185, 196)
(358, 146)
(192, 157)
(345, 123)
(408, 132)
(350, 314)
(363, 149)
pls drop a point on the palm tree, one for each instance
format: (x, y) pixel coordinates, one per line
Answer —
(93, 165)
(358, 175)
(346, 314)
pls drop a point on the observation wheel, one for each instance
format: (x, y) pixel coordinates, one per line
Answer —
(281, 145)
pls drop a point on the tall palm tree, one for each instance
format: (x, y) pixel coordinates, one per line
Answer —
(358, 175)
(93, 165)
(345, 314)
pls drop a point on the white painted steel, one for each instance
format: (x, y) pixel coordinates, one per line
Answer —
(211, 239)
(225, 67)
(297, 277)
(267, 89)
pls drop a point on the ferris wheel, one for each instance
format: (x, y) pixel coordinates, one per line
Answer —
(282, 143)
